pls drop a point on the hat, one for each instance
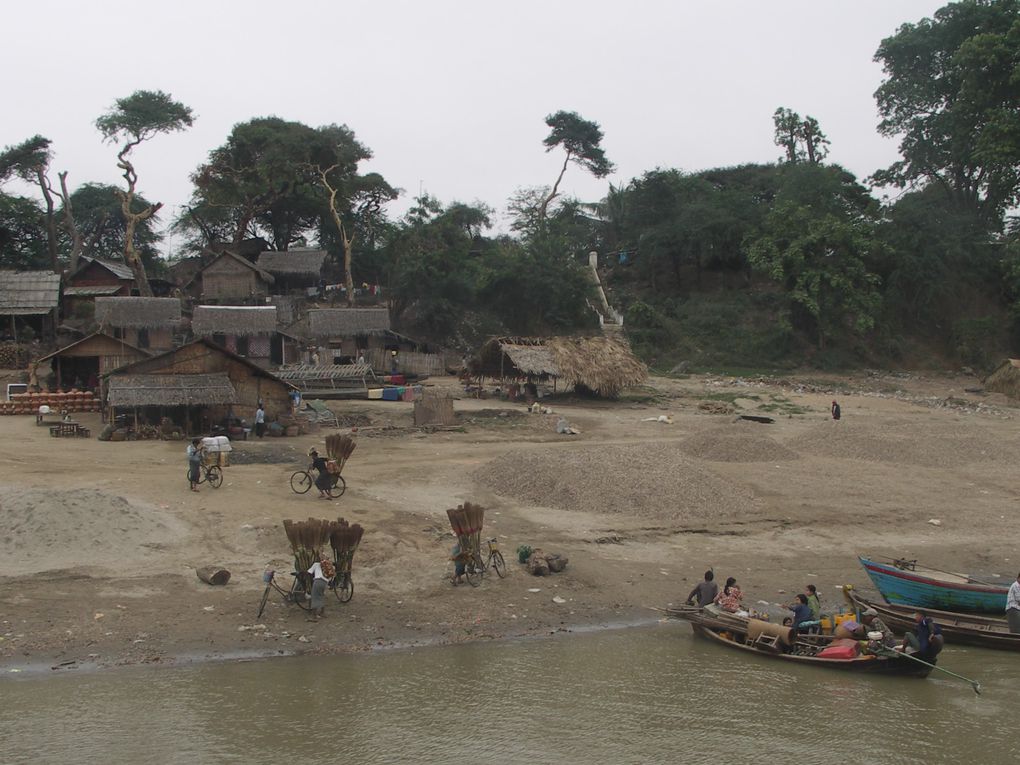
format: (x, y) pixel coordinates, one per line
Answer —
(312, 451)
(870, 612)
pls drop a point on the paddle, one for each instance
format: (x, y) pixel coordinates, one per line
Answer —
(973, 683)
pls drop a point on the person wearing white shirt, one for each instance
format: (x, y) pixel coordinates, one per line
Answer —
(322, 571)
(1013, 606)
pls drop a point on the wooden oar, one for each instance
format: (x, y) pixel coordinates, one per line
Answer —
(973, 683)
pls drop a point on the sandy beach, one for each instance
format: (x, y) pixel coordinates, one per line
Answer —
(99, 542)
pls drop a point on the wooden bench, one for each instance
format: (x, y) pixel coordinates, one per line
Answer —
(66, 429)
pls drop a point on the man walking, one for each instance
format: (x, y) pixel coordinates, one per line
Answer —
(260, 421)
(1013, 606)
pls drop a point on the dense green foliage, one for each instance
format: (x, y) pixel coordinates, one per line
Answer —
(762, 264)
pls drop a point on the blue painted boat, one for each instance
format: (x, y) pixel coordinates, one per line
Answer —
(908, 583)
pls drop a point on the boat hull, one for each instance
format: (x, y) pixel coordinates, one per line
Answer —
(915, 588)
(957, 628)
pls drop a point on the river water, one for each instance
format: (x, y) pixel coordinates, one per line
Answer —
(642, 695)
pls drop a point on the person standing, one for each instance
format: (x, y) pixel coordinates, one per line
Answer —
(835, 411)
(260, 421)
(321, 571)
(1013, 606)
(704, 592)
(194, 452)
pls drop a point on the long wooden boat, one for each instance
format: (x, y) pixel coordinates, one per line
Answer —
(732, 632)
(908, 583)
(957, 629)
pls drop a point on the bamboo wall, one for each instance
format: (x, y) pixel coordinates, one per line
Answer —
(226, 279)
(408, 362)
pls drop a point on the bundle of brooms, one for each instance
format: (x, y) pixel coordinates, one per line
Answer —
(339, 448)
(467, 520)
(307, 539)
(344, 539)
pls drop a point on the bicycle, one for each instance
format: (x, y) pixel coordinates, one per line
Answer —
(211, 474)
(298, 594)
(342, 586)
(495, 559)
(475, 568)
(301, 481)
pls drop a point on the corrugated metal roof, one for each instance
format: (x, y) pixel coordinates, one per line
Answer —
(28, 292)
(170, 390)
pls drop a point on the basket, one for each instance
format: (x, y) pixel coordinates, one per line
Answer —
(267, 576)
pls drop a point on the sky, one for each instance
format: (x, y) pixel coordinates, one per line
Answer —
(451, 97)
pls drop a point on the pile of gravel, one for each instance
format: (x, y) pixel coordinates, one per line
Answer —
(738, 443)
(659, 483)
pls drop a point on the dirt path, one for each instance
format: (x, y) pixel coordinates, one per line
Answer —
(99, 541)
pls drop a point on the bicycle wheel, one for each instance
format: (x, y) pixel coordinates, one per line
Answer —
(301, 482)
(338, 489)
(298, 595)
(474, 571)
(344, 589)
(262, 603)
(498, 563)
(214, 476)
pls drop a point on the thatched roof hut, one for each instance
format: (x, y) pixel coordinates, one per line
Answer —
(138, 312)
(292, 262)
(326, 323)
(1005, 379)
(27, 293)
(170, 390)
(603, 365)
(242, 321)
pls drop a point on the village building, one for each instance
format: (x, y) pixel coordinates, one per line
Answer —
(200, 386)
(248, 331)
(83, 363)
(600, 365)
(297, 271)
(149, 323)
(345, 333)
(230, 279)
(96, 278)
(28, 303)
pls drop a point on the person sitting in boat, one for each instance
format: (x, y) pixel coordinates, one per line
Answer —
(872, 623)
(802, 619)
(704, 592)
(729, 598)
(926, 639)
(814, 602)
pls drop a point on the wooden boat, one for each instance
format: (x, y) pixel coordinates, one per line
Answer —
(907, 583)
(959, 629)
(732, 632)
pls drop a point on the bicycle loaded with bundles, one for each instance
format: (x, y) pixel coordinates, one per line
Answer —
(467, 521)
(338, 450)
(307, 540)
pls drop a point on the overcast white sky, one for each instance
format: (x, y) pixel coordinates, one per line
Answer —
(452, 96)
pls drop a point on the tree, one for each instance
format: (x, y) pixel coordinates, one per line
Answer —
(800, 138)
(100, 226)
(134, 119)
(30, 161)
(951, 95)
(581, 139)
(23, 241)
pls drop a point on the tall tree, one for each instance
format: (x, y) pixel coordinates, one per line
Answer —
(100, 226)
(134, 119)
(23, 244)
(581, 139)
(800, 138)
(30, 161)
(951, 93)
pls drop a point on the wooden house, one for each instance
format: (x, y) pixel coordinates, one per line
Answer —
(230, 279)
(345, 332)
(29, 299)
(294, 271)
(83, 363)
(198, 385)
(148, 323)
(249, 331)
(96, 278)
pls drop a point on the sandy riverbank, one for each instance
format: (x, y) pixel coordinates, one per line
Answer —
(99, 541)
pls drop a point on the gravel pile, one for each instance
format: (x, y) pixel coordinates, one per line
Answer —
(660, 483)
(741, 443)
(888, 443)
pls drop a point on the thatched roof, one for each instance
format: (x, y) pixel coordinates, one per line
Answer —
(170, 390)
(127, 348)
(233, 320)
(28, 292)
(601, 364)
(120, 270)
(1005, 379)
(292, 262)
(344, 322)
(227, 254)
(93, 291)
(138, 312)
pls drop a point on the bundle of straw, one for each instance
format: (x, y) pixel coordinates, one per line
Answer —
(467, 520)
(344, 539)
(339, 448)
(307, 538)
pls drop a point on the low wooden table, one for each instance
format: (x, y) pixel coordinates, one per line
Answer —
(69, 428)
